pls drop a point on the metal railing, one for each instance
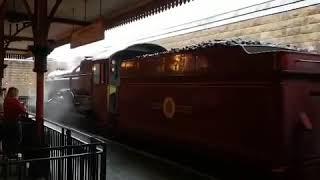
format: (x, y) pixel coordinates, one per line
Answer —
(29, 102)
(67, 155)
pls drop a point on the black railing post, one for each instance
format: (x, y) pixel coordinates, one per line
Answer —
(27, 169)
(92, 160)
(20, 171)
(5, 169)
(69, 152)
(62, 137)
(60, 162)
(103, 173)
(19, 166)
(82, 164)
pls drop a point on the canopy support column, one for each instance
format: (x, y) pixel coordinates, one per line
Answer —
(2, 48)
(40, 51)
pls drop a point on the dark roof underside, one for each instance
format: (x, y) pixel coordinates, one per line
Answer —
(70, 15)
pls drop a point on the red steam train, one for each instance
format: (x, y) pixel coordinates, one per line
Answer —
(247, 102)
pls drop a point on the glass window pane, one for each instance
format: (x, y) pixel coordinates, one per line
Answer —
(96, 73)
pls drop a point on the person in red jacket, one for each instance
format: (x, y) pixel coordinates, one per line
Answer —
(13, 108)
(13, 111)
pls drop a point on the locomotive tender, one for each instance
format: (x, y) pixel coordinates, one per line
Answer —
(249, 102)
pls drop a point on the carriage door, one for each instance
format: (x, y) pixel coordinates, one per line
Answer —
(100, 92)
(113, 77)
(314, 116)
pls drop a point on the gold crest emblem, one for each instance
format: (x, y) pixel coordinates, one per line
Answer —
(169, 107)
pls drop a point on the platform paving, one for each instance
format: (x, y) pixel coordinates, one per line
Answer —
(128, 165)
(124, 163)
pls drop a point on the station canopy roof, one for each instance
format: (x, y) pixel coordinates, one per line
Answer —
(68, 16)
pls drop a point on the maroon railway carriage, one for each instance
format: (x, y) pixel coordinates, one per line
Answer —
(252, 103)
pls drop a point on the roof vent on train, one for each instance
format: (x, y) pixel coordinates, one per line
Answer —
(88, 58)
(137, 50)
(249, 46)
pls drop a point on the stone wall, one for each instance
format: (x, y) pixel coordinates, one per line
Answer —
(299, 27)
(19, 73)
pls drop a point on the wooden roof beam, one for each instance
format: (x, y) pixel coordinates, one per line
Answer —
(70, 21)
(54, 9)
(27, 7)
(18, 16)
(18, 38)
(17, 50)
(23, 38)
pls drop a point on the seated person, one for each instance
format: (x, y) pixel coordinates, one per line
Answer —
(13, 111)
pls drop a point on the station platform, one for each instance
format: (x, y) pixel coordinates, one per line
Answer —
(127, 163)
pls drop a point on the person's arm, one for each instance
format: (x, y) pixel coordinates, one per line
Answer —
(22, 111)
(21, 107)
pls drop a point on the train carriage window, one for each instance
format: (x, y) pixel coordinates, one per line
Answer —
(189, 63)
(181, 63)
(96, 73)
(159, 65)
(153, 65)
(102, 73)
(130, 66)
(315, 99)
(201, 63)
